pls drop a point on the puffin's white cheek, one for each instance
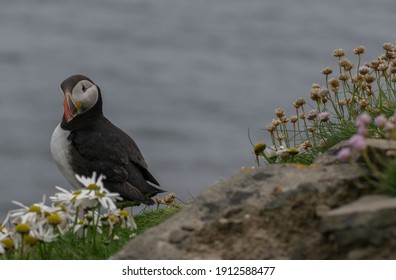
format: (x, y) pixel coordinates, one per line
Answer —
(85, 100)
(91, 97)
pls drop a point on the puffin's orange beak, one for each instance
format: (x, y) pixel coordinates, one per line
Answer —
(70, 107)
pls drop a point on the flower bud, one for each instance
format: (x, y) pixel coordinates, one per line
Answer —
(358, 50)
(338, 53)
(259, 148)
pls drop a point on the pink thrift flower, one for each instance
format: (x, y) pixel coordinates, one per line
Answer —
(364, 70)
(312, 114)
(324, 116)
(344, 154)
(363, 120)
(358, 142)
(380, 121)
(362, 130)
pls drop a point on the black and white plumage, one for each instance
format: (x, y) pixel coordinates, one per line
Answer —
(86, 141)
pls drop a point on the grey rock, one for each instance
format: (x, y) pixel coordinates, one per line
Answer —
(370, 210)
(360, 254)
(322, 211)
(364, 221)
(382, 144)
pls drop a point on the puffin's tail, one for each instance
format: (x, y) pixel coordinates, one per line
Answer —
(152, 187)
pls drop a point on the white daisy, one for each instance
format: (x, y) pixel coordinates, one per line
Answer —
(270, 151)
(107, 199)
(29, 214)
(86, 199)
(95, 192)
(64, 196)
(127, 220)
(44, 232)
(91, 219)
(87, 181)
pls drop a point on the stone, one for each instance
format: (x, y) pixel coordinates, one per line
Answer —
(369, 210)
(366, 220)
(322, 211)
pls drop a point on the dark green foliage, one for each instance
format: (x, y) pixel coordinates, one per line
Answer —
(387, 181)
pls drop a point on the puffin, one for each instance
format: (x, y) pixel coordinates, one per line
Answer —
(85, 141)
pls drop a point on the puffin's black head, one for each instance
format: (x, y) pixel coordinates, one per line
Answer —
(82, 98)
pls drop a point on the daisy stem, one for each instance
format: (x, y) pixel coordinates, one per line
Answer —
(42, 251)
(21, 250)
(95, 226)
(76, 217)
(294, 134)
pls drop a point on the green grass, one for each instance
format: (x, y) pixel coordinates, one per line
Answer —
(72, 247)
(149, 219)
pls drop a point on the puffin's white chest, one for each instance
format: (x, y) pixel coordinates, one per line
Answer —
(60, 150)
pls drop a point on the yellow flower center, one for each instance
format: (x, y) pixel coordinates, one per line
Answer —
(124, 213)
(112, 218)
(29, 240)
(35, 208)
(22, 228)
(293, 151)
(93, 187)
(54, 219)
(8, 243)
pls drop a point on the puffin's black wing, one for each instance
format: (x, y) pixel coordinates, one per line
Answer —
(108, 150)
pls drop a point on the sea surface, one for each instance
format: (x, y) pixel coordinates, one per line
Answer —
(185, 78)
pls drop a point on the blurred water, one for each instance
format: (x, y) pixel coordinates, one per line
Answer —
(185, 78)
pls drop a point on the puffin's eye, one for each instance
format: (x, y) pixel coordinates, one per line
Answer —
(83, 88)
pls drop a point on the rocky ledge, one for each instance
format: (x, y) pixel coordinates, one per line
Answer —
(322, 211)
